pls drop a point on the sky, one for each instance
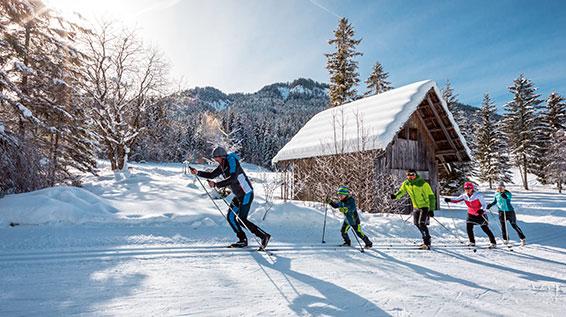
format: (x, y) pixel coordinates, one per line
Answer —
(241, 46)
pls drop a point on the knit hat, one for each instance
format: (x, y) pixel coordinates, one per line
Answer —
(468, 185)
(343, 190)
(219, 152)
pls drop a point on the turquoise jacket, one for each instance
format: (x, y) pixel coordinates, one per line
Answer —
(503, 201)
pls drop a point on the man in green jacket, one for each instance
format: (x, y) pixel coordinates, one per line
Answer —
(424, 203)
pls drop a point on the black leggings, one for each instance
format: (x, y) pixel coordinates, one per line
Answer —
(241, 206)
(484, 227)
(512, 218)
(421, 219)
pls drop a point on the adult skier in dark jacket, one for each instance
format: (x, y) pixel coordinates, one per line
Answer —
(236, 179)
(502, 199)
(347, 206)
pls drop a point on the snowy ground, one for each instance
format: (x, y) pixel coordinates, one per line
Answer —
(151, 245)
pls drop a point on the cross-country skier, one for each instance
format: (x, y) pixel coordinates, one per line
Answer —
(424, 203)
(502, 199)
(476, 213)
(347, 205)
(234, 176)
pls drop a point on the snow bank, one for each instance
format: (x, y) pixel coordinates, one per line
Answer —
(55, 205)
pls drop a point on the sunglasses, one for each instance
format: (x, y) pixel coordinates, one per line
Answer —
(411, 174)
(468, 188)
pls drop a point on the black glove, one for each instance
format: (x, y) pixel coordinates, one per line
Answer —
(481, 212)
(446, 199)
(393, 196)
(431, 213)
(328, 200)
(503, 196)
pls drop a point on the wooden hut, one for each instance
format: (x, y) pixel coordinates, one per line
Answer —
(368, 144)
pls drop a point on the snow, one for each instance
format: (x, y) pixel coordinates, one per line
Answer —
(284, 91)
(55, 205)
(24, 110)
(1, 127)
(23, 68)
(383, 116)
(160, 253)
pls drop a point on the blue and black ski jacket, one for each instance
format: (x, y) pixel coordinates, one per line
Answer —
(234, 176)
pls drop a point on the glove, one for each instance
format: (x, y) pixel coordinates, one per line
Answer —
(393, 196)
(503, 195)
(211, 183)
(431, 213)
(193, 171)
(481, 212)
(328, 200)
(446, 199)
(343, 210)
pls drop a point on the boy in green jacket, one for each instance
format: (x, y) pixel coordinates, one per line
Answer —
(424, 203)
(347, 206)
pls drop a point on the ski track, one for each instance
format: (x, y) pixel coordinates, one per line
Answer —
(165, 255)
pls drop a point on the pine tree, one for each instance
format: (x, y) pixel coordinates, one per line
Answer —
(553, 119)
(522, 126)
(556, 168)
(460, 171)
(377, 81)
(487, 143)
(341, 65)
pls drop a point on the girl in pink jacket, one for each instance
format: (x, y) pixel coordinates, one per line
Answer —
(476, 213)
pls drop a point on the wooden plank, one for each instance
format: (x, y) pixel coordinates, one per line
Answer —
(443, 127)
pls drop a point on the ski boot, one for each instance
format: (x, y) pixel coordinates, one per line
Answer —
(345, 244)
(368, 243)
(523, 242)
(239, 244)
(264, 241)
(424, 247)
(492, 246)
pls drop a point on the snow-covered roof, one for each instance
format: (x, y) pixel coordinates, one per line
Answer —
(377, 119)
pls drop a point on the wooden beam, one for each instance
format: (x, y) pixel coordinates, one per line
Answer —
(446, 152)
(442, 126)
(426, 128)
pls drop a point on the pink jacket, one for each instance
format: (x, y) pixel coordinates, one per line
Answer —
(474, 202)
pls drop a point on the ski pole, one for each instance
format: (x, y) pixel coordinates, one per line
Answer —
(355, 235)
(324, 225)
(235, 214)
(450, 231)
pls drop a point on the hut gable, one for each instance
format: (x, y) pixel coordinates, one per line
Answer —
(372, 123)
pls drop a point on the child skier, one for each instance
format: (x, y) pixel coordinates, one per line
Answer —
(424, 203)
(347, 206)
(476, 213)
(234, 176)
(502, 199)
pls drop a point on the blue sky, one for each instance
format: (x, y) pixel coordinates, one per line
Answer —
(240, 46)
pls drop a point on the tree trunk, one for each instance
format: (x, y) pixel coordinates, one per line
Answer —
(525, 181)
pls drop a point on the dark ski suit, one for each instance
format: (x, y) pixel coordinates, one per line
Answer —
(348, 208)
(242, 189)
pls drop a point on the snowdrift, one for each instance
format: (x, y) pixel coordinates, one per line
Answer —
(55, 205)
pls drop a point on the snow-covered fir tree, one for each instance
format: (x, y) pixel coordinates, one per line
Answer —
(40, 102)
(460, 172)
(491, 150)
(556, 168)
(341, 65)
(522, 125)
(553, 117)
(377, 81)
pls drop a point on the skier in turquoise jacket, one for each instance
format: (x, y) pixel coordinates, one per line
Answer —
(502, 199)
(347, 206)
